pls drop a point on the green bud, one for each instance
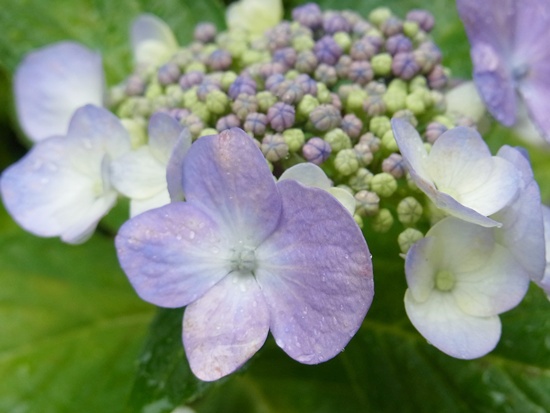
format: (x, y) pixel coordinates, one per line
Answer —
(338, 140)
(367, 203)
(305, 107)
(175, 93)
(388, 142)
(190, 97)
(381, 64)
(445, 121)
(323, 94)
(409, 211)
(418, 82)
(425, 95)
(195, 67)
(383, 221)
(227, 79)
(249, 57)
(153, 90)
(410, 28)
(360, 180)
(217, 102)
(292, 74)
(137, 129)
(343, 39)
(379, 125)
(208, 132)
(346, 162)
(395, 100)
(398, 84)
(415, 104)
(266, 99)
(295, 139)
(358, 220)
(201, 110)
(379, 15)
(383, 184)
(355, 100)
(407, 238)
(302, 43)
(236, 48)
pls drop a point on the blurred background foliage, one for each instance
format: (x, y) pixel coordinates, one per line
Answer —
(74, 337)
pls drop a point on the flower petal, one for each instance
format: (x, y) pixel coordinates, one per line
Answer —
(52, 82)
(344, 197)
(152, 40)
(255, 16)
(413, 150)
(174, 175)
(464, 99)
(307, 174)
(173, 254)
(453, 332)
(138, 206)
(315, 272)
(164, 132)
(545, 282)
(227, 175)
(225, 327)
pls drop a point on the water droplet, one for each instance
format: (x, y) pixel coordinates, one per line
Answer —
(191, 234)
(304, 311)
(178, 237)
(280, 343)
(341, 307)
(243, 287)
(324, 279)
(346, 256)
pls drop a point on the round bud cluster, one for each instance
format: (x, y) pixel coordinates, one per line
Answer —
(321, 88)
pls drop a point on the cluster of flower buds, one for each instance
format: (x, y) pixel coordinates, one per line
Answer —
(320, 88)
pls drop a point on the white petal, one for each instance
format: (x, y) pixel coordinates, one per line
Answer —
(138, 206)
(344, 197)
(164, 132)
(307, 174)
(152, 40)
(254, 16)
(52, 82)
(453, 332)
(464, 99)
(413, 150)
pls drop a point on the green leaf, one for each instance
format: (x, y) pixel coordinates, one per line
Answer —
(71, 326)
(164, 379)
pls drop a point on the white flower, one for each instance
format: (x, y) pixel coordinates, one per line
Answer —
(141, 174)
(153, 42)
(254, 16)
(464, 99)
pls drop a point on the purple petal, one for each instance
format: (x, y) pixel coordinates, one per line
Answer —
(453, 332)
(228, 176)
(52, 82)
(174, 169)
(164, 131)
(225, 327)
(315, 272)
(172, 255)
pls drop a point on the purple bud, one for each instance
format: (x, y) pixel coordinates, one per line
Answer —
(205, 88)
(255, 123)
(427, 55)
(193, 123)
(309, 15)
(281, 116)
(289, 92)
(274, 147)
(361, 27)
(372, 141)
(279, 36)
(363, 49)
(325, 117)
(205, 32)
(242, 85)
(335, 101)
(244, 104)
(327, 50)
(286, 56)
(352, 125)
(273, 81)
(363, 153)
(343, 65)
(308, 85)
(135, 86)
(272, 68)
(404, 66)
(316, 150)
(437, 78)
(179, 113)
(306, 62)
(228, 122)
(374, 105)
(191, 79)
(168, 73)
(326, 74)
(391, 26)
(394, 165)
(334, 22)
(361, 72)
(398, 43)
(423, 17)
(220, 60)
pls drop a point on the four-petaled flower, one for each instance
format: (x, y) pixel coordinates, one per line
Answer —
(248, 255)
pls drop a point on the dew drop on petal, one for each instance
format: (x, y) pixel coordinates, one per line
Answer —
(191, 234)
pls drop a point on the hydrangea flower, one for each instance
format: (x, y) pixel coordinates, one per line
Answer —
(153, 42)
(459, 280)
(62, 186)
(459, 174)
(141, 174)
(51, 83)
(248, 255)
(510, 50)
(254, 16)
(544, 283)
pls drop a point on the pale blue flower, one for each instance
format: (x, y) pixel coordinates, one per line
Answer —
(248, 255)
(153, 42)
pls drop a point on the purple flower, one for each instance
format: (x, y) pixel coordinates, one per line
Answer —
(247, 255)
(510, 49)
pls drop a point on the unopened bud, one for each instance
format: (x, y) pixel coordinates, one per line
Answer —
(382, 221)
(379, 125)
(367, 203)
(274, 147)
(408, 238)
(383, 184)
(382, 64)
(409, 211)
(316, 150)
(346, 162)
(361, 180)
(281, 116)
(338, 140)
(325, 117)
(294, 138)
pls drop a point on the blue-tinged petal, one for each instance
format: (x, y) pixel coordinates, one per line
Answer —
(153, 42)
(164, 132)
(450, 330)
(225, 327)
(315, 272)
(522, 231)
(228, 176)
(52, 82)
(545, 282)
(174, 169)
(173, 254)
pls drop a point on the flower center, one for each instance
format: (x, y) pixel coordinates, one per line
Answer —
(444, 280)
(243, 259)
